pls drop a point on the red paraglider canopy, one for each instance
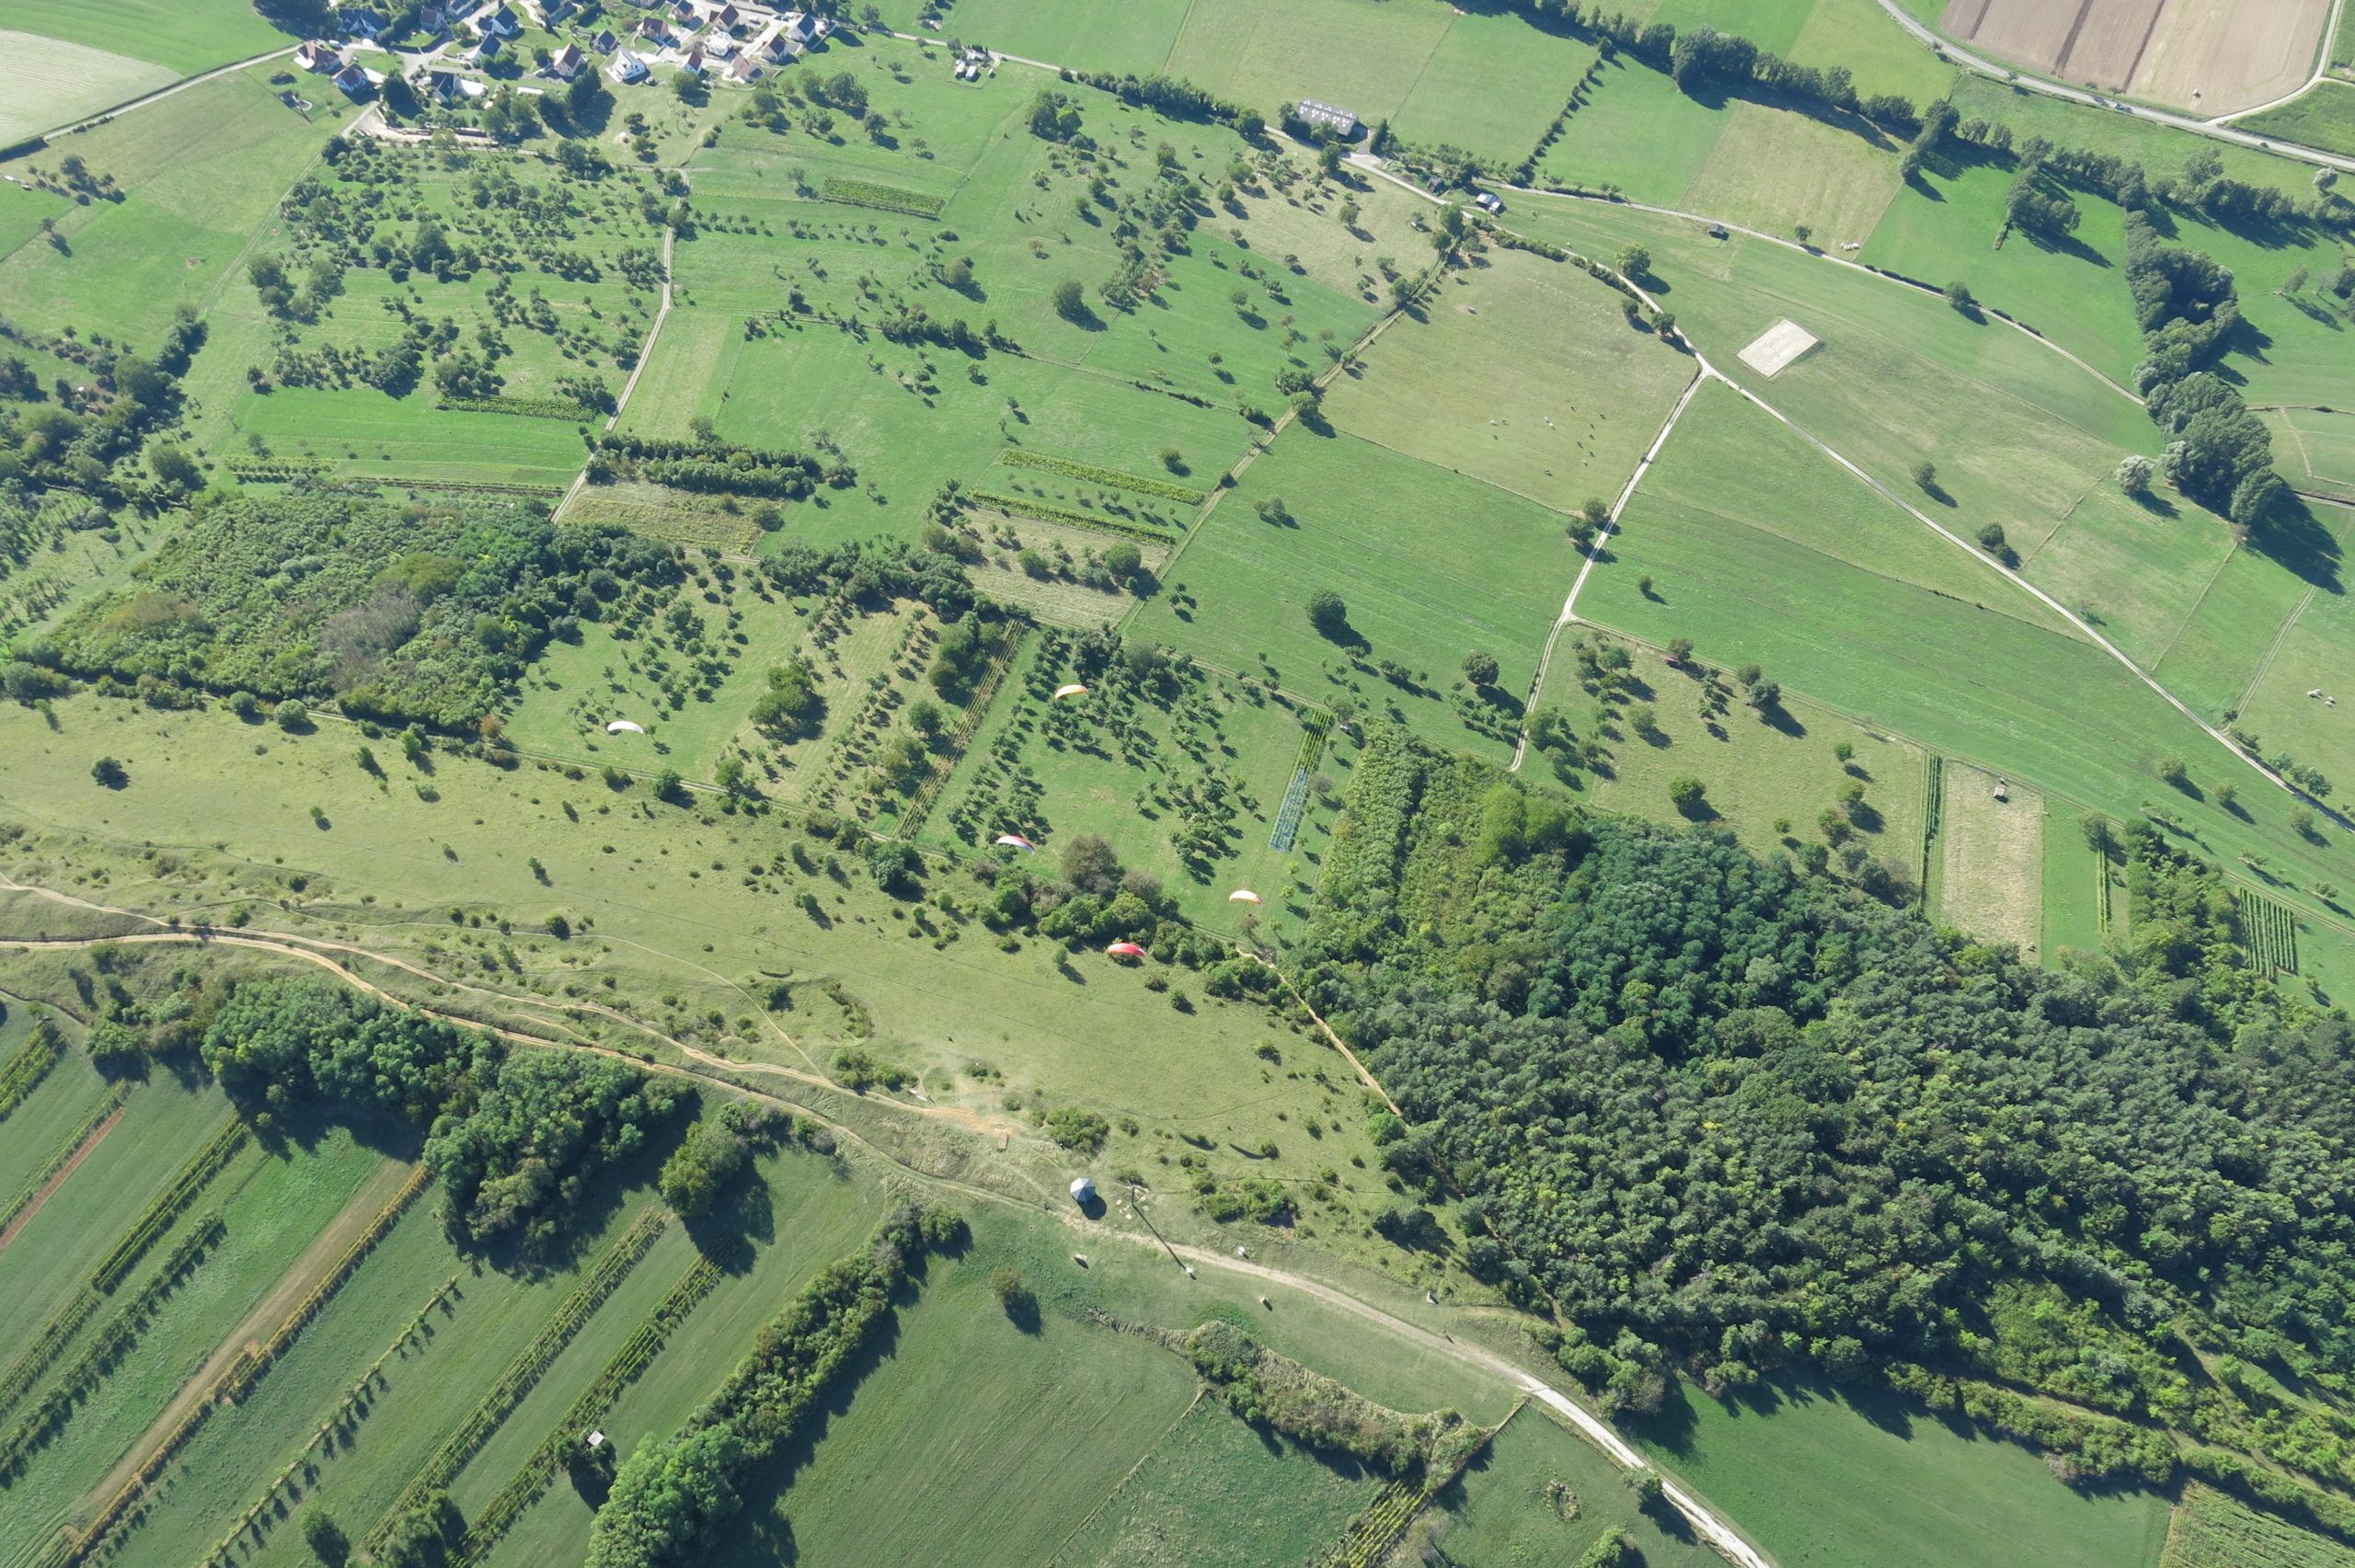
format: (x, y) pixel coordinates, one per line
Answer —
(1125, 950)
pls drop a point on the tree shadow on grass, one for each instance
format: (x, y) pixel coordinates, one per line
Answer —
(2293, 538)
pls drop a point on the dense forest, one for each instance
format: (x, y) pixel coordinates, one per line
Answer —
(1713, 1113)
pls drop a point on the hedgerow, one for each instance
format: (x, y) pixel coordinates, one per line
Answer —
(637, 1353)
(528, 408)
(1089, 473)
(673, 1495)
(167, 1207)
(1019, 506)
(712, 465)
(107, 1346)
(24, 1071)
(884, 197)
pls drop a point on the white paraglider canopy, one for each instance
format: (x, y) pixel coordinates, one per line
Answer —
(623, 727)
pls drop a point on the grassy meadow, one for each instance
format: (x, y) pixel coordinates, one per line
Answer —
(1824, 1478)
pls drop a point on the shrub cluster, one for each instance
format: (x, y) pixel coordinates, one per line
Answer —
(516, 1136)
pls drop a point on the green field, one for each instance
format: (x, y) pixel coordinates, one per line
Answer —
(2323, 116)
(2073, 888)
(1473, 385)
(368, 435)
(2212, 1530)
(1431, 565)
(1541, 1494)
(184, 38)
(1831, 1480)
(2018, 698)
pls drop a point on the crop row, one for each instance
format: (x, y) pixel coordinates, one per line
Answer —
(1089, 473)
(1377, 1528)
(30, 1065)
(1018, 506)
(232, 1386)
(635, 1354)
(347, 1409)
(168, 1206)
(65, 1154)
(523, 1373)
(886, 198)
(108, 1347)
(528, 408)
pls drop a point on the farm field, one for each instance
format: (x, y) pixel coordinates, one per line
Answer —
(1471, 387)
(2210, 1529)
(181, 39)
(1991, 878)
(199, 172)
(1540, 1493)
(1403, 543)
(2323, 116)
(1841, 632)
(2072, 895)
(47, 81)
(1834, 1479)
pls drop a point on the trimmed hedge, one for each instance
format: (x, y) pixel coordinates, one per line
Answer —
(1168, 490)
(884, 197)
(120, 1335)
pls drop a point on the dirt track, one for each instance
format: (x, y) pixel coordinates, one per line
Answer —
(257, 1325)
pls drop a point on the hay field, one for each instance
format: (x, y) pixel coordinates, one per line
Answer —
(47, 81)
(183, 37)
(2324, 115)
(1991, 868)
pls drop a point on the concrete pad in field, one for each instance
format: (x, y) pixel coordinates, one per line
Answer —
(1777, 346)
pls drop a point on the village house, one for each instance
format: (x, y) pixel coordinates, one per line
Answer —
(354, 81)
(565, 64)
(628, 68)
(318, 55)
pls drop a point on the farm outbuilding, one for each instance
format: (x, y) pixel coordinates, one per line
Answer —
(1326, 117)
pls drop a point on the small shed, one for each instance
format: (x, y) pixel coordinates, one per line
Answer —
(1082, 1191)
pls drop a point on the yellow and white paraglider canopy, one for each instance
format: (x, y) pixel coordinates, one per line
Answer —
(1074, 689)
(1244, 896)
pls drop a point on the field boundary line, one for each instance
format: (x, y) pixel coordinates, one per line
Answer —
(1609, 527)
(2265, 664)
(2205, 590)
